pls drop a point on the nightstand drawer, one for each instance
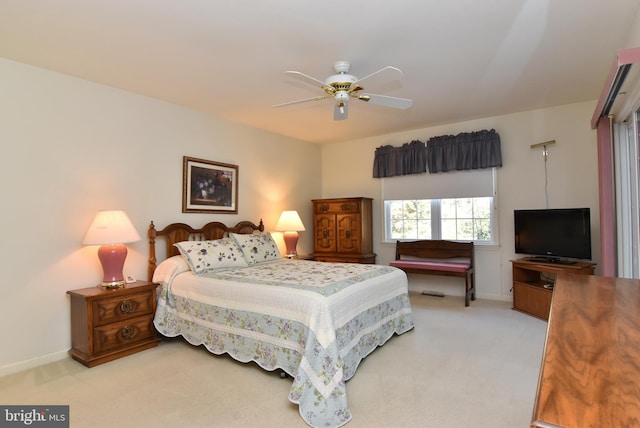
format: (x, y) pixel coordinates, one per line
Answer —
(122, 308)
(114, 336)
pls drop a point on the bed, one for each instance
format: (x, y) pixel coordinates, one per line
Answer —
(230, 290)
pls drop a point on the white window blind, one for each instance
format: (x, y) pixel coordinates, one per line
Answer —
(456, 184)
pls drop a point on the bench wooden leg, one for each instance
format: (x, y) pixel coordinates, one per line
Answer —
(467, 294)
(473, 286)
(469, 289)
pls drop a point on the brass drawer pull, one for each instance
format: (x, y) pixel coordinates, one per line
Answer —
(127, 333)
(126, 307)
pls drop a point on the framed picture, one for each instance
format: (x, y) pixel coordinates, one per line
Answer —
(209, 187)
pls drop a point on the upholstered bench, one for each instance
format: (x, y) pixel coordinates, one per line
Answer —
(438, 257)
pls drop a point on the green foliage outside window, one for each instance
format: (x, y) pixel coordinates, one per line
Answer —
(459, 219)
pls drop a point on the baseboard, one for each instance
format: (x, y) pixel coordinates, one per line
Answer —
(457, 293)
(496, 297)
(34, 362)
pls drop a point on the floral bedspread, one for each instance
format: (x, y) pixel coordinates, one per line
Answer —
(315, 321)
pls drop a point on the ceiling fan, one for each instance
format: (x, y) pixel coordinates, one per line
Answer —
(342, 86)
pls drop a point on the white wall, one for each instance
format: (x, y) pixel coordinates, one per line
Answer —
(572, 182)
(71, 148)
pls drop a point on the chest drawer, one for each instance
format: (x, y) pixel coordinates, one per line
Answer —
(106, 311)
(117, 335)
(337, 206)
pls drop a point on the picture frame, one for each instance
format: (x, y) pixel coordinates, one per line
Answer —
(209, 187)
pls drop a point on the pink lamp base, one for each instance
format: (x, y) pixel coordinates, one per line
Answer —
(291, 242)
(112, 258)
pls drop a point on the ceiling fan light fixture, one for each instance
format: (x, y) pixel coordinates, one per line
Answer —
(342, 96)
(340, 111)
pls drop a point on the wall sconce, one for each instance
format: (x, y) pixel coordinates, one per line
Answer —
(290, 224)
(111, 230)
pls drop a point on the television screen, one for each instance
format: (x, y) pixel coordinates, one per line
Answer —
(553, 233)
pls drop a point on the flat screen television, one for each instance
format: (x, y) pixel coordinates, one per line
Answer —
(553, 235)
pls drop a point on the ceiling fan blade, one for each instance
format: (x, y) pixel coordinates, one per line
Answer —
(340, 111)
(388, 67)
(306, 76)
(386, 101)
(319, 98)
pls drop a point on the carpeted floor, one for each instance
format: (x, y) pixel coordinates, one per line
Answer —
(460, 367)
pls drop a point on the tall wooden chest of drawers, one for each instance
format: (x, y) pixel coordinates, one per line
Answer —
(343, 230)
(109, 323)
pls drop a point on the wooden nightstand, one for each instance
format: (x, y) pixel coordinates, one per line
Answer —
(109, 323)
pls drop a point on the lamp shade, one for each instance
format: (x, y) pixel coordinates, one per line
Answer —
(111, 227)
(289, 222)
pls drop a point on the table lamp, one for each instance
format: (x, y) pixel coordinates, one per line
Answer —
(290, 224)
(111, 230)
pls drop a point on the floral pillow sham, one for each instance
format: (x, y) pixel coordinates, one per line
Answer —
(257, 247)
(204, 256)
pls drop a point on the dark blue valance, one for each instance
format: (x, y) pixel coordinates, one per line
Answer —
(410, 158)
(472, 150)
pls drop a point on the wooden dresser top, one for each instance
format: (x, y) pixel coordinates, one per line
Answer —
(590, 373)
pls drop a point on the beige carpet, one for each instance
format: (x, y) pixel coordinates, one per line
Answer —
(460, 367)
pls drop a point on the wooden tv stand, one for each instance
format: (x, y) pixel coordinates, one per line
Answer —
(533, 283)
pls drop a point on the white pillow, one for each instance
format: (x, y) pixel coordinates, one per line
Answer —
(169, 268)
(257, 247)
(204, 256)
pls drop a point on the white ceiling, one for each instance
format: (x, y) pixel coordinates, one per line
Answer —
(462, 59)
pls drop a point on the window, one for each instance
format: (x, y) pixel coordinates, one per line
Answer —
(455, 219)
(626, 143)
(456, 206)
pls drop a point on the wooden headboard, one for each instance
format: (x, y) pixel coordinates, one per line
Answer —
(178, 232)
